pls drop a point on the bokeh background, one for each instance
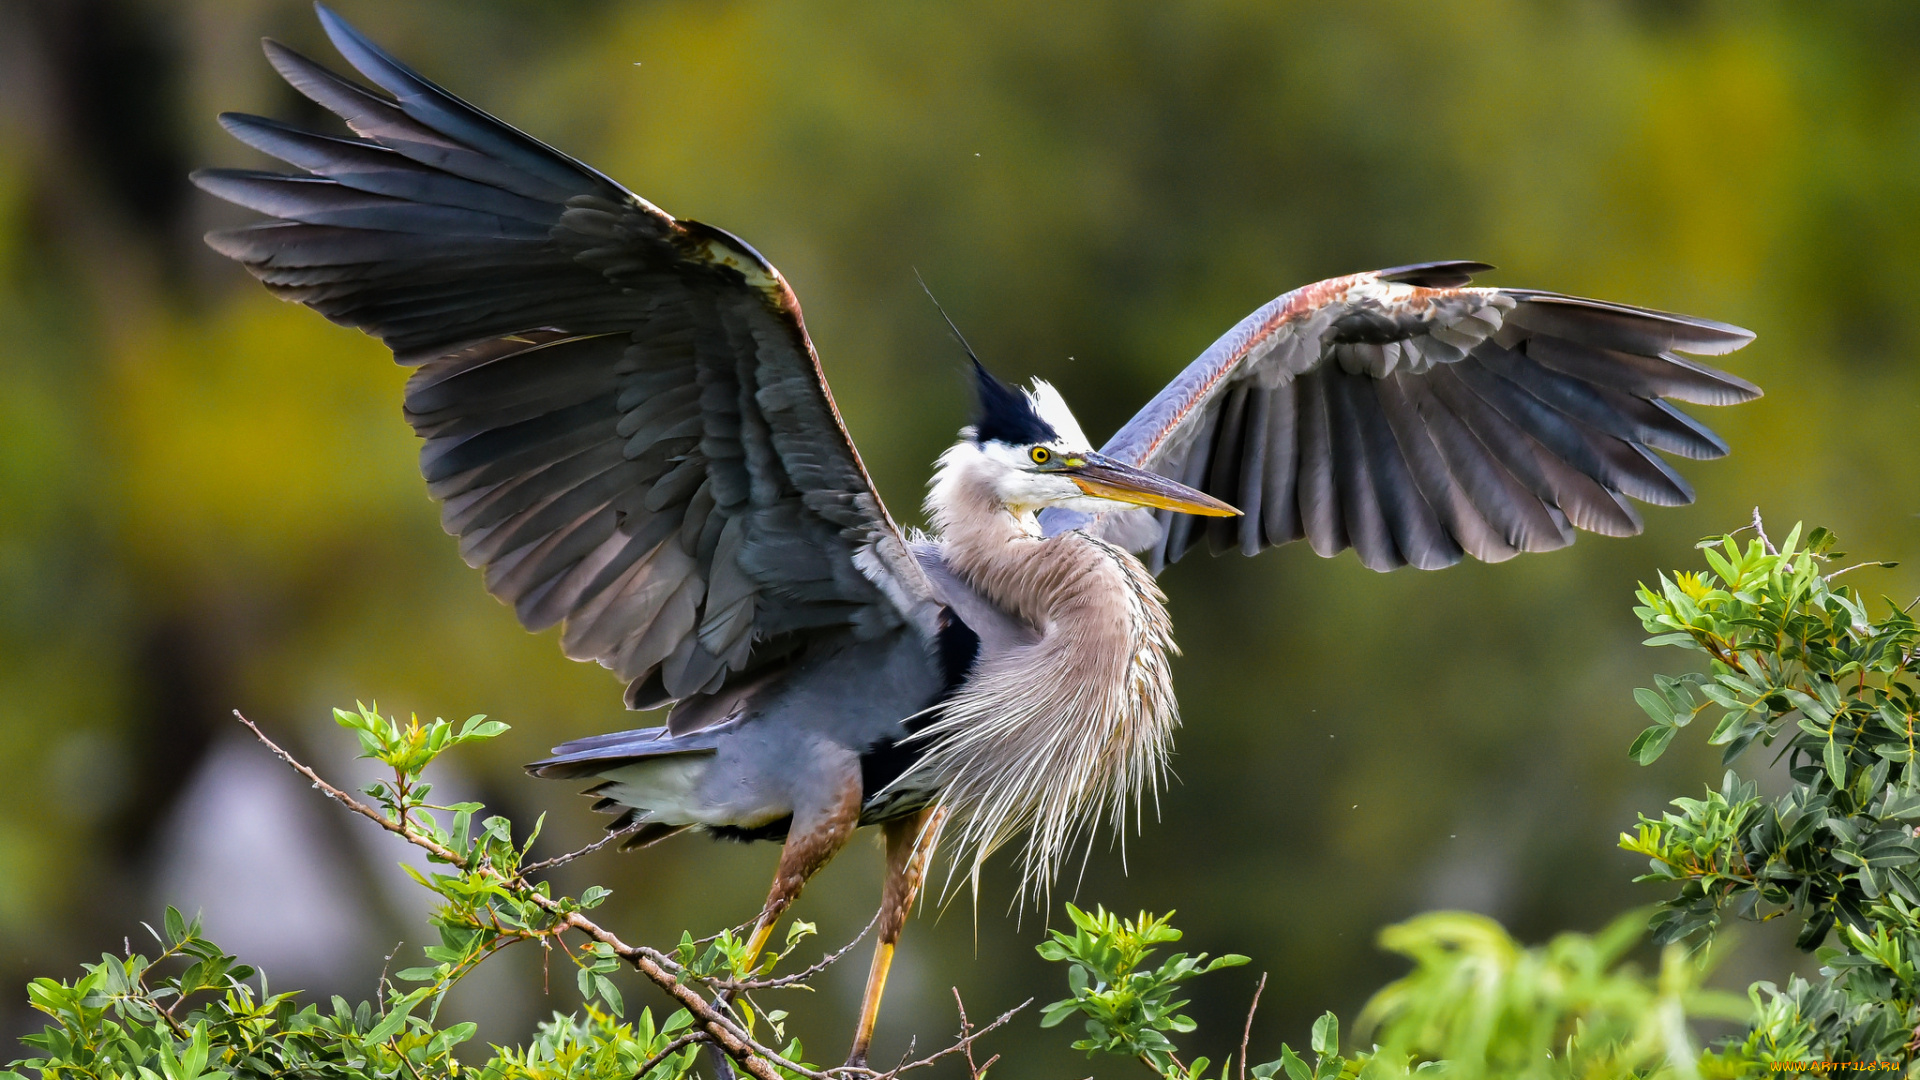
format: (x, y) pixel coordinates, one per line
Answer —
(208, 498)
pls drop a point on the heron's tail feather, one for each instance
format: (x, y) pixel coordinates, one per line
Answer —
(595, 755)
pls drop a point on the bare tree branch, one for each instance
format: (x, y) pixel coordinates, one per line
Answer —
(963, 1046)
(800, 976)
(974, 1072)
(1246, 1034)
(562, 860)
(1762, 530)
(669, 1050)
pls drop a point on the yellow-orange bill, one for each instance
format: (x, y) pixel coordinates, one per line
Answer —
(1108, 479)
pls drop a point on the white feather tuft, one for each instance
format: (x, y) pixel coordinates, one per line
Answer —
(1053, 409)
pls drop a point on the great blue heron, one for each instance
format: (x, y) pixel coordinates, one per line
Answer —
(631, 435)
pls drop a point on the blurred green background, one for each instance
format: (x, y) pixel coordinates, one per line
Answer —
(208, 498)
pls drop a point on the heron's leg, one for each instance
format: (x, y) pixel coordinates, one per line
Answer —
(910, 843)
(816, 837)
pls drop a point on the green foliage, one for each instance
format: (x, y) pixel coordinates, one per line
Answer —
(1796, 658)
(726, 954)
(488, 906)
(1478, 1001)
(125, 1019)
(595, 1045)
(190, 1013)
(1476, 1004)
(1127, 1010)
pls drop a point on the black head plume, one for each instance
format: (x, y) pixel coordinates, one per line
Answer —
(1005, 413)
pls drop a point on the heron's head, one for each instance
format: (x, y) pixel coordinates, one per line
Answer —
(1032, 451)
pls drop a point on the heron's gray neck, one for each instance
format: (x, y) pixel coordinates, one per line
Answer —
(1002, 553)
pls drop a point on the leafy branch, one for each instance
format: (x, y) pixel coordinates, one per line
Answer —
(1476, 1004)
(120, 1020)
(1795, 658)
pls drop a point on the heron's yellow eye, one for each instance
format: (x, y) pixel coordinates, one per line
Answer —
(1041, 455)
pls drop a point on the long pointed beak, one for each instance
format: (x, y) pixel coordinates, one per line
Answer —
(1105, 478)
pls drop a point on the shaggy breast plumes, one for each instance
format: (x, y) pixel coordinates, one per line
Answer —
(1071, 730)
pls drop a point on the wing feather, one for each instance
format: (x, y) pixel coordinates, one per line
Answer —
(621, 411)
(1410, 517)
(1280, 519)
(1429, 469)
(1253, 472)
(1416, 419)
(1229, 465)
(1319, 497)
(1361, 501)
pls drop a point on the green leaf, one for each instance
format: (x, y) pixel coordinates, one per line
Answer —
(390, 1025)
(1326, 1034)
(1653, 705)
(610, 994)
(1059, 1011)
(479, 727)
(1651, 744)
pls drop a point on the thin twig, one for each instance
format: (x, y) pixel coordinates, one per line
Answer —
(960, 1047)
(670, 1049)
(1855, 566)
(1762, 530)
(799, 976)
(562, 860)
(381, 984)
(731, 1037)
(966, 1030)
(1246, 1034)
(907, 1054)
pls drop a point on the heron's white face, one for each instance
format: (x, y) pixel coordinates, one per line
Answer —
(1032, 477)
(1068, 472)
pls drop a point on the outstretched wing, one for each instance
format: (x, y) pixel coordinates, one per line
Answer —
(624, 417)
(1414, 418)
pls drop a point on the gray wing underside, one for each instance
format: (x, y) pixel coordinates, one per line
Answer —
(1417, 420)
(999, 631)
(623, 416)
